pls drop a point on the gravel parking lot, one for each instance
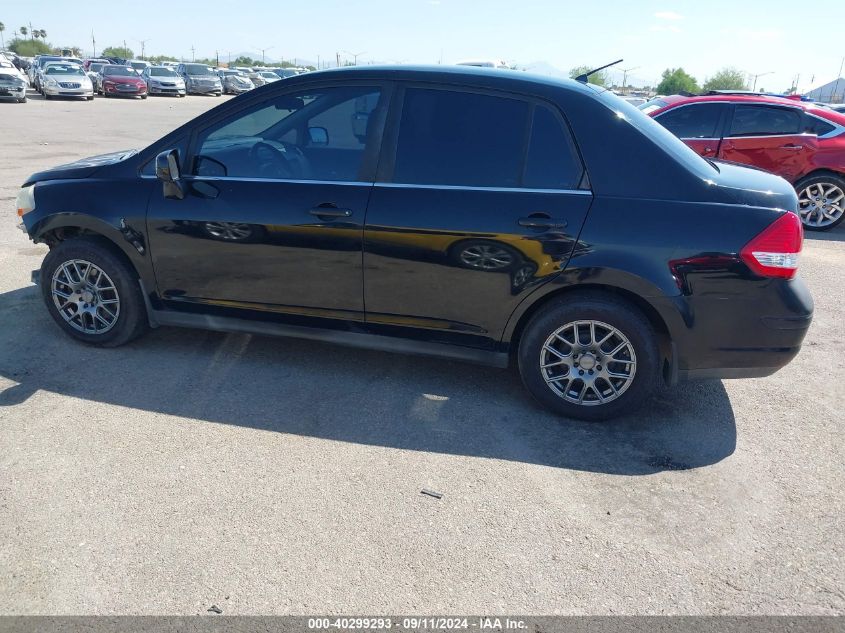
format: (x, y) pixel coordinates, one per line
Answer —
(280, 476)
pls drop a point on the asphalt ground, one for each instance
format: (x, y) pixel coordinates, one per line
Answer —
(192, 468)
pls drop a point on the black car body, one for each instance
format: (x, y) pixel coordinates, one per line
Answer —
(448, 211)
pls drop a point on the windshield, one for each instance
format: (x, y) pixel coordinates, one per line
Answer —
(121, 71)
(162, 72)
(198, 69)
(65, 70)
(138, 65)
(96, 67)
(269, 75)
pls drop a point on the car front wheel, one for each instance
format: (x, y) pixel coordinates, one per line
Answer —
(821, 201)
(591, 357)
(92, 293)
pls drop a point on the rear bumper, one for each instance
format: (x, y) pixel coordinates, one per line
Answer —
(750, 334)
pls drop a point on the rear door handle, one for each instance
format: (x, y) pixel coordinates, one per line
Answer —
(330, 212)
(540, 222)
(792, 147)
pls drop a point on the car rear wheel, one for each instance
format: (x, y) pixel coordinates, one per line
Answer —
(92, 293)
(821, 201)
(591, 357)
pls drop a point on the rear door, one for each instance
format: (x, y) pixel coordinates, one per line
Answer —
(770, 137)
(479, 199)
(699, 125)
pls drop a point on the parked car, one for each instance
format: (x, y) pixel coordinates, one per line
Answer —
(122, 81)
(234, 82)
(86, 64)
(256, 78)
(837, 107)
(94, 73)
(139, 65)
(66, 80)
(162, 81)
(268, 77)
(200, 79)
(12, 85)
(648, 263)
(9, 68)
(284, 73)
(40, 61)
(801, 142)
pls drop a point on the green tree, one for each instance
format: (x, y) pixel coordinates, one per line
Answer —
(157, 59)
(599, 78)
(675, 81)
(243, 60)
(726, 79)
(118, 51)
(24, 31)
(29, 48)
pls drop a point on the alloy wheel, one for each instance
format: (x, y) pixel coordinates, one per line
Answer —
(85, 296)
(588, 363)
(821, 204)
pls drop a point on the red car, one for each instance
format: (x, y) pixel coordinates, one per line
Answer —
(802, 142)
(122, 81)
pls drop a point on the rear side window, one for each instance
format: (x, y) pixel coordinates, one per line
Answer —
(692, 121)
(762, 120)
(552, 161)
(460, 138)
(814, 125)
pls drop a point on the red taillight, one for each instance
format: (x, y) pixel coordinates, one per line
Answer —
(774, 252)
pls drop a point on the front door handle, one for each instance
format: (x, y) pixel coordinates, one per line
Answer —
(792, 147)
(542, 222)
(330, 211)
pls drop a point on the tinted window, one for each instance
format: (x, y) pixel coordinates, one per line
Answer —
(552, 162)
(815, 125)
(321, 134)
(118, 71)
(460, 138)
(692, 121)
(755, 120)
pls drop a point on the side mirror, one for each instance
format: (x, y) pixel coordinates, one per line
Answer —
(318, 136)
(167, 171)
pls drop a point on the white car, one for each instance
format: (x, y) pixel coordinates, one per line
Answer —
(66, 80)
(8, 68)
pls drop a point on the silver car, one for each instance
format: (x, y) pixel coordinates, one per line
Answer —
(12, 85)
(163, 81)
(95, 73)
(235, 82)
(66, 80)
(200, 79)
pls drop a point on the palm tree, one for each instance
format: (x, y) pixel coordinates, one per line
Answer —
(43, 34)
(24, 31)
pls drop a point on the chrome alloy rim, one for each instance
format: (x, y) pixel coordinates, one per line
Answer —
(228, 230)
(85, 296)
(486, 257)
(821, 204)
(588, 363)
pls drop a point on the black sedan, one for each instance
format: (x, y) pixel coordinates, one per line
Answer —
(483, 216)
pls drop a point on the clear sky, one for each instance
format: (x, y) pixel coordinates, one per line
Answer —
(756, 36)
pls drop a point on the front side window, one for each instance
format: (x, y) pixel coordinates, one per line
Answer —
(320, 134)
(460, 138)
(763, 120)
(692, 121)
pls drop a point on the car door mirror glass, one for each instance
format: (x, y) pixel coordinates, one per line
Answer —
(318, 136)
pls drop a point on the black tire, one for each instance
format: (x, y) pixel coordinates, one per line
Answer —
(619, 314)
(22, 100)
(91, 98)
(143, 96)
(47, 97)
(131, 319)
(825, 178)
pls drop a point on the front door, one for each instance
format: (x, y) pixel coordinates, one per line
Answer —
(273, 212)
(770, 137)
(479, 200)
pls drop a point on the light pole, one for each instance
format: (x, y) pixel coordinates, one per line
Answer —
(264, 50)
(625, 72)
(355, 56)
(143, 44)
(757, 76)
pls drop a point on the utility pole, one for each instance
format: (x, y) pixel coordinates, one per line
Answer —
(625, 72)
(838, 78)
(94, 43)
(217, 57)
(337, 60)
(143, 44)
(193, 54)
(264, 50)
(757, 76)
